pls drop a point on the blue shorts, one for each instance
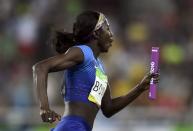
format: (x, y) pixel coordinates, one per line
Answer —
(72, 123)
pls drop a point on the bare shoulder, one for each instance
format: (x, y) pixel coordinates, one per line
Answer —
(72, 57)
(75, 54)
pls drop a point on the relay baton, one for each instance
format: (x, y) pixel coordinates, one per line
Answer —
(153, 69)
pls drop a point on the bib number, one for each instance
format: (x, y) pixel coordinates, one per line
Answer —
(99, 87)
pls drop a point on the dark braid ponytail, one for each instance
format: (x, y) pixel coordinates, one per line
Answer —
(62, 41)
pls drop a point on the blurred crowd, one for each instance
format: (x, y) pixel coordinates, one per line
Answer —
(138, 25)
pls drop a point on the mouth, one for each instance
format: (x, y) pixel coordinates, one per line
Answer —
(110, 42)
(109, 45)
(111, 39)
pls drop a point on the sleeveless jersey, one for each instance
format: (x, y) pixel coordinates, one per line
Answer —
(80, 78)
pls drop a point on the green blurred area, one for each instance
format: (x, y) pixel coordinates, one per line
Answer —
(184, 127)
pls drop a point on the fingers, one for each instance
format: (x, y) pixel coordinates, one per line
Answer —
(57, 116)
(146, 81)
(156, 80)
(49, 116)
(52, 117)
(155, 76)
(44, 116)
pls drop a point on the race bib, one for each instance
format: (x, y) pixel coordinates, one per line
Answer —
(99, 87)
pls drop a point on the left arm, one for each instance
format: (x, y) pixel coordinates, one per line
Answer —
(110, 106)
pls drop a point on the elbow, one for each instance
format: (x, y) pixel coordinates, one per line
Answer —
(107, 114)
(37, 68)
(107, 110)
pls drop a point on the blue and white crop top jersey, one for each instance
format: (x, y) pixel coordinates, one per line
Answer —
(80, 78)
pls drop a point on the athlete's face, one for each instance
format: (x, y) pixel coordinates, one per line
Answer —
(105, 38)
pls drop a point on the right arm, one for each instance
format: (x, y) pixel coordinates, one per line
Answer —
(72, 57)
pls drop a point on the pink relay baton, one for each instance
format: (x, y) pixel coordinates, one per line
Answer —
(153, 69)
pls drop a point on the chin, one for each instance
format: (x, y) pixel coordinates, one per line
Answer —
(105, 50)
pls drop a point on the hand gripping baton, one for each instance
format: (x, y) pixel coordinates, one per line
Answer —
(153, 69)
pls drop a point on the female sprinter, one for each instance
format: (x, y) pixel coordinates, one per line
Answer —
(86, 84)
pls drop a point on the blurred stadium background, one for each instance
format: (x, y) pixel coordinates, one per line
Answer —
(138, 25)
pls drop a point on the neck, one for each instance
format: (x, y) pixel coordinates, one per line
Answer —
(94, 46)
